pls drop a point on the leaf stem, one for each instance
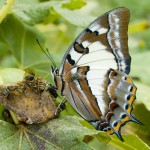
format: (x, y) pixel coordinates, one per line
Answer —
(20, 139)
(28, 139)
(5, 9)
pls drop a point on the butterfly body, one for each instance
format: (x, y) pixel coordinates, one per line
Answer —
(93, 75)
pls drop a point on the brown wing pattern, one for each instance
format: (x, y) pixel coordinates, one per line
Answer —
(94, 73)
(107, 37)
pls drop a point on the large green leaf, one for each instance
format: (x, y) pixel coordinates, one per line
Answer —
(64, 133)
(21, 42)
(33, 12)
(36, 12)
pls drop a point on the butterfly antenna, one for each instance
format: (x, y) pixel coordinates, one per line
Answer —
(51, 57)
(46, 52)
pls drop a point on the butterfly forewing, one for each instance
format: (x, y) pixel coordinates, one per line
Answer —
(94, 70)
(107, 38)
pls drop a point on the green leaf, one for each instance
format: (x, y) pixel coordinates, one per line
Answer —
(2, 3)
(63, 133)
(75, 17)
(74, 4)
(37, 12)
(140, 71)
(142, 114)
(33, 15)
(9, 75)
(23, 47)
(143, 94)
(34, 12)
(140, 65)
(132, 142)
(9, 134)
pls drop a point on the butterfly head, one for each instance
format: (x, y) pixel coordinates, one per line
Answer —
(54, 71)
(57, 78)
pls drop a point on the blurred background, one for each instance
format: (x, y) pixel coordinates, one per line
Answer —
(57, 23)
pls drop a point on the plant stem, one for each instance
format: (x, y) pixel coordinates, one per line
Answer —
(4, 10)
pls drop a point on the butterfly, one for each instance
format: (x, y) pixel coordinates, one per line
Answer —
(93, 75)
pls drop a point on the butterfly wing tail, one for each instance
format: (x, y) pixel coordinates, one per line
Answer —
(123, 92)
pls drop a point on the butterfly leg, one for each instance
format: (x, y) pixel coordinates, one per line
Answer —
(60, 107)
